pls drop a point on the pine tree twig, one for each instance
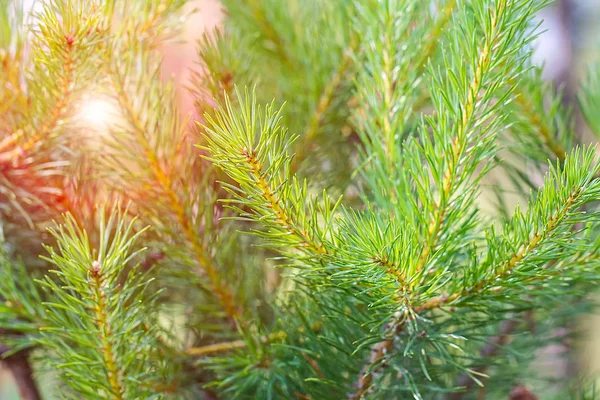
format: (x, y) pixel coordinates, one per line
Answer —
(282, 217)
(542, 127)
(229, 346)
(534, 242)
(379, 350)
(489, 350)
(103, 325)
(56, 115)
(318, 116)
(458, 144)
(505, 269)
(270, 33)
(434, 34)
(222, 292)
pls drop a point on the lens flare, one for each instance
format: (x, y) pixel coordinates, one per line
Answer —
(98, 113)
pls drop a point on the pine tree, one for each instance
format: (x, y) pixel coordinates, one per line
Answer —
(318, 229)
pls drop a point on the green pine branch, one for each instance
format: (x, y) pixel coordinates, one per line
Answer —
(100, 318)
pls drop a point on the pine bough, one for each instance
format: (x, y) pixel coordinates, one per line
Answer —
(367, 188)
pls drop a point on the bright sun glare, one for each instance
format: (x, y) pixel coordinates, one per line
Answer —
(97, 113)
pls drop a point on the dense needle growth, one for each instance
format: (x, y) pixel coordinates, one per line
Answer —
(315, 229)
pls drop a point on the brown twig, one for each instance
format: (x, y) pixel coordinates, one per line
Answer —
(521, 393)
(228, 346)
(21, 370)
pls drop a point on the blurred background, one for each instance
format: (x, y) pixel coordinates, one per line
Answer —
(571, 37)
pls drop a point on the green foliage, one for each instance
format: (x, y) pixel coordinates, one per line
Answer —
(100, 319)
(589, 99)
(358, 163)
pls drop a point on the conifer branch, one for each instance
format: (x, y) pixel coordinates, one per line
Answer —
(580, 193)
(161, 176)
(451, 177)
(57, 113)
(268, 31)
(434, 34)
(305, 141)
(581, 187)
(539, 124)
(100, 313)
(386, 294)
(282, 217)
(460, 142)
(260, 165)
(106, 334)
(64, 62)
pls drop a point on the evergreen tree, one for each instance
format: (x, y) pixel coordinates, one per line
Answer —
(318, 230)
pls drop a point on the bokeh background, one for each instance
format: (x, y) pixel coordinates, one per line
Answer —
(570, 39)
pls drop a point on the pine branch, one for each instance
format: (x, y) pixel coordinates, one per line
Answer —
(580, 190)
(102, 315)
(106, 334)
(577, 187)
(540, 124)
(460, 141)
(57, 113)
(304, 144)
(160, 175)
(250, 146)
(65, 61)
(257, 11)
(282, 217)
